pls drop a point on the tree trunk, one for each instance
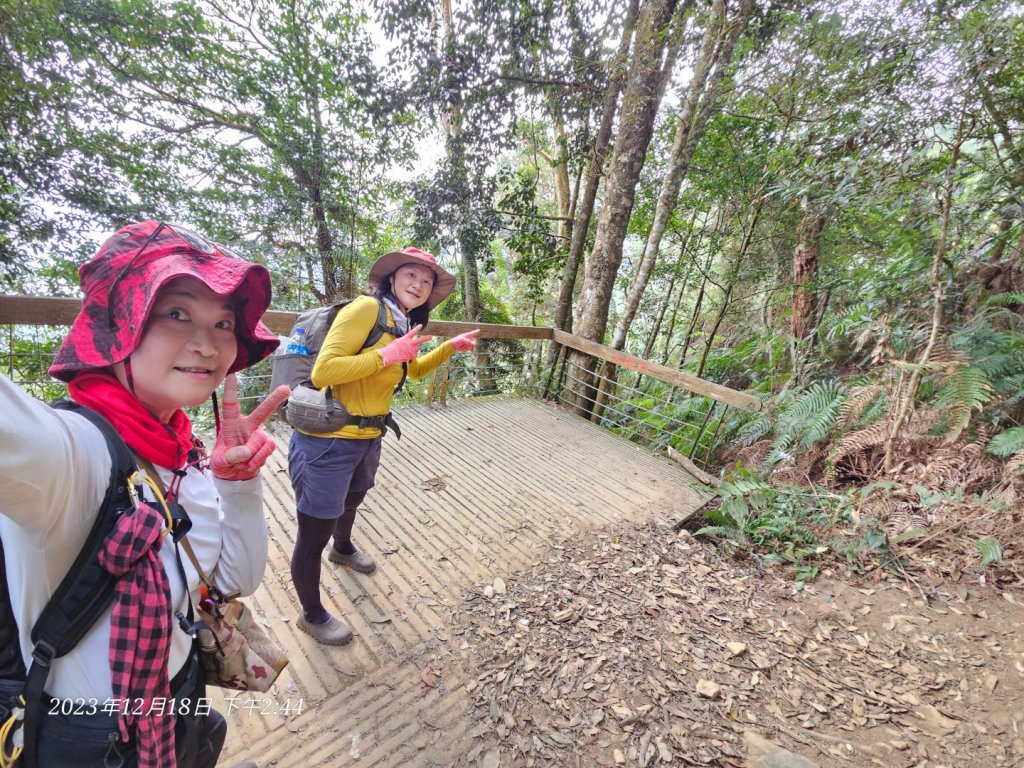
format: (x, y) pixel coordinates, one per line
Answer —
(639, 107)
(560, 175)
(906, 399)
(694, 317)
(595, 170)
(737, 260)
(451, 123)
(676, 38)
(652, 337)
(806, 257)
(666, 351)
(698, 106)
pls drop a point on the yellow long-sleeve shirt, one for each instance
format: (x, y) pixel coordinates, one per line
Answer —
(358, 378)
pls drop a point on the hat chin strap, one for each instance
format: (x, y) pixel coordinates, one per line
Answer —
(128, 375)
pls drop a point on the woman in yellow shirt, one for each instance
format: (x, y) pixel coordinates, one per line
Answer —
(332, 473)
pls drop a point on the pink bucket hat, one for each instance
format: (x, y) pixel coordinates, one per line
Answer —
(121, 282)
(444, 281)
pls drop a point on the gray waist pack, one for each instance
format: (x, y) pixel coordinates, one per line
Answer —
(315, 411)
(312, 410)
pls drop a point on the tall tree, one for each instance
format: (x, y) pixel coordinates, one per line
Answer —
(59, 170)
(639, 107)
(594, 171)
(699, 102)
(269, 121)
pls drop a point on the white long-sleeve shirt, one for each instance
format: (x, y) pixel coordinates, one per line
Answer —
(54, 468)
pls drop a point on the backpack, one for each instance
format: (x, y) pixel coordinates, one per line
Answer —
(83, 596)
(313, 410)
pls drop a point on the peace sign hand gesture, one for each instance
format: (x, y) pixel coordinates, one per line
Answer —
(404, 348)
(243, 446)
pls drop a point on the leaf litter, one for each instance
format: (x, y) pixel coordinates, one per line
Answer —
(647, 647)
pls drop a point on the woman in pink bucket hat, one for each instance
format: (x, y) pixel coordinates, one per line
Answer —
(167, 316)
(332, 473)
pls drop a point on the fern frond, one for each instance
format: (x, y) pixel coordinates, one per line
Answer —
(991, 550)
(957, 417)
(818, 426)
(755, 429)
(874, 411)
(858, 399)
(967, 386)
(1000, 364)
(1007, 443)
(859, 441)
(809, 419)
(1005, 299)
(821, 396)
(721, 532)
(1014, 388)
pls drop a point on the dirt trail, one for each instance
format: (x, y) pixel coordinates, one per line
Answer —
(645, 647)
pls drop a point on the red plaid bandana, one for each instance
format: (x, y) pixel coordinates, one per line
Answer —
(140, 632)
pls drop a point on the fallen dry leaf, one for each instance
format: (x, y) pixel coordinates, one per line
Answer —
(708, 689)
(428, 677)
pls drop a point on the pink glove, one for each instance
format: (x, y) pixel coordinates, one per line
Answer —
(242, 445)
(404, 349)
(465, 341)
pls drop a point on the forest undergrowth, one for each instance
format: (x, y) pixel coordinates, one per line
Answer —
(947, 511)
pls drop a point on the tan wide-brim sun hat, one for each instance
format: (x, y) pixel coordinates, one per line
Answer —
(444, 281)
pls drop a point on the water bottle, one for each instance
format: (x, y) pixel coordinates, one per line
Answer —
(297, 343)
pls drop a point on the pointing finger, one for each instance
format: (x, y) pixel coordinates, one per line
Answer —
(262, 411)
(230, 400)
(230, 389)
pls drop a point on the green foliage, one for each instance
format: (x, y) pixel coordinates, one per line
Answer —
(268, 124)
(991, 387)
(27, 354)
(808, 420)
(962, 392)
(732, 365)
(991, 551)
(528, 232)
(783, 524)
(1007, 443)
(862, 406)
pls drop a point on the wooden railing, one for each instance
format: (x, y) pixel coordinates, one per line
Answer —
(29, 310)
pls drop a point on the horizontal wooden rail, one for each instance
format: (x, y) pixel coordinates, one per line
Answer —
(660, 372)
(37, 310)
(34, 310)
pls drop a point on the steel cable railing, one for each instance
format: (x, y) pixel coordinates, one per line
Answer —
(686, 422)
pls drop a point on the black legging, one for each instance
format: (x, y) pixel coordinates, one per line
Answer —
(313, 536)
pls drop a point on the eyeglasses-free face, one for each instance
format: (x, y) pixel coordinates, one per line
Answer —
(187, 347)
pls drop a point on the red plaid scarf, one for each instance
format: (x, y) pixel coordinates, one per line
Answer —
(140, 632)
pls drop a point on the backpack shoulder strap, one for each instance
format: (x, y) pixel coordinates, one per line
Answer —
(87, 589)
(12, 667)
(380, 327)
